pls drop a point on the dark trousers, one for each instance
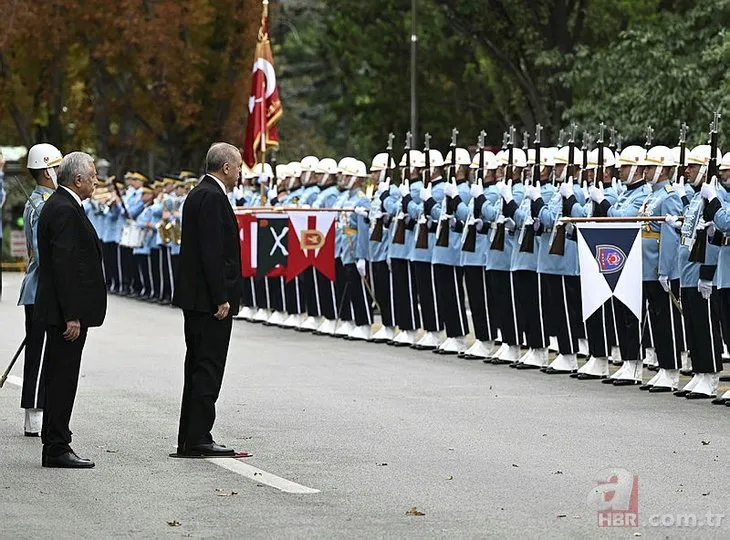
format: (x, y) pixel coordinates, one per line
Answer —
(343, 294)
(143, 284)
(382, 281)
(61, 366)
(206, 342)
(33, 377)
(129, 272)
(327, 295)
(296, 301)
(502, 284)
(166, 279)
(359, 298)
(309, 284)
(449, 283)
(261, 292)
(111, 266)
(564, 307)
(666, 322)
(702, 319)
(175, 263)
(531, 311)
(475, 279)
(427, 297)
(629, 332)
(599, 327)
(404, 295)
(155, 272)
(725, 312)
(276, 293)
(247, 293)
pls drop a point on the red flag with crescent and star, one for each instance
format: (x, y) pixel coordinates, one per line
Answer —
(264, 105)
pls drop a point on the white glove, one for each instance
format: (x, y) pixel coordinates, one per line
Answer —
(387, 260)
(673, 221)
(378, 214)
(708, 191)
(597, 195)
(383, 186)
(479, 224)
(701, 225)
(360, 264)
(533, 193)
(509, 224)
(361, 211)
(664, 282)
(678, 186)
(404, 189)
(306, 206)
(263, 179)
(450, 190)
(452, 222)
(237, 193)
(426, 194)
(500, 219)
(477, 190)
(569, 228)
(272, 193)
(566, 190)
(705, 288)
(506, 191)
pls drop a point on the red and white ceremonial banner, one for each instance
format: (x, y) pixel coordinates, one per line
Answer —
(311, 243)
(264, 105)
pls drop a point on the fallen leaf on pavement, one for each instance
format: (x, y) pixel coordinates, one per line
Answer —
(381, 464)
(414, 512)
(225, 493)
(111, 451)
(705, 443)
(515, 465)
(449, 477)
(562, 515)
(174, 523)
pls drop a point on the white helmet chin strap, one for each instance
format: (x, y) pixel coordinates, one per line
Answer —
(54, 178)
(630, 177)
(700, 175)
(657, 173)
(381, 176)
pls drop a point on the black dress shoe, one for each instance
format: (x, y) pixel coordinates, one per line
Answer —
(716, 401)
(500, 361)
(32, 434)
(607, 381)
(660, 389)
(697, 395)
(514, 365)
(69, 460)
(589, 377)
(526, 366)
(646, 387)
(574, 375)
(625, 382)
(652, 368)
(208, 450)
(553, 371)
(681, 393)
(686, 372)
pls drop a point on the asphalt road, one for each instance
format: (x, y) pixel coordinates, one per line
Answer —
(483, 451)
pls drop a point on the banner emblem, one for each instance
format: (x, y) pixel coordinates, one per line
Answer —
(312, 239)
(611, 259)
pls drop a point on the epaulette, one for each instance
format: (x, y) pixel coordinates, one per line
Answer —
(669, 188)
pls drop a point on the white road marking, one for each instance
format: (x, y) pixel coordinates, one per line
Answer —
(262, 477)
(12, 380)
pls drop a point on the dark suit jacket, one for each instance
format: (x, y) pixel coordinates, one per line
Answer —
(210, 251)
(70, 277)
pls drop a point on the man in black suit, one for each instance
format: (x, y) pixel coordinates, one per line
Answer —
(208, 293)
(71, 298)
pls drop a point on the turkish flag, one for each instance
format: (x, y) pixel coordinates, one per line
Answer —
(311, 243)
(264, 105)
(246, 235)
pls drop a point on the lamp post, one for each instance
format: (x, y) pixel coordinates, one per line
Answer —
(414, 50)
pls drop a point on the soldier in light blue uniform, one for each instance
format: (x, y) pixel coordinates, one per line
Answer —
(355, 251)
(381, 277)
(111, 232)
(43, 161)
(415, 205)
(700, 302)
(402, 227)
(559, 279)
(134, 205)
(499, 261)
(631, 164)
(446, 261)
(145, 221)
(717, 210)
(481, 297)
(532, 313)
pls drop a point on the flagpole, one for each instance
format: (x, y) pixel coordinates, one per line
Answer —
(265, 30)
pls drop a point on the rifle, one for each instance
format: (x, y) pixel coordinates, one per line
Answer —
(399, 232)
(469, 238)
(527, 233)
(377, 234)
(557, 244)
(442, 234)
(499, 232)
(698, 241)
(598, 180)
(682, 150)
(649, 138)
(422, 232)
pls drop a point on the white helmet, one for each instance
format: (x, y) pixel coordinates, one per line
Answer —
(660, 156)
(725, 162)
(416, 156)
(327, 166)
(631, 155)
(462, 157)
(262, 169)
(43, 156)
(608, 158)
(700, 155)
(360, 169)
(282, 171)
(487, 156)
(309, 163)
(531, 154)
(295, 169)
(436, 159)
(380, 162)
(675, 156)
(501, 157)
(592, 162)
(547, 156)
(345, 164)
(246, 172)
(519, 158)
(562, 155)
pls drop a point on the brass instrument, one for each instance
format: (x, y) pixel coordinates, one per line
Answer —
(170, 230)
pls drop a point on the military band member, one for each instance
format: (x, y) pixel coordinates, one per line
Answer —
(43, 162)
(145, 221)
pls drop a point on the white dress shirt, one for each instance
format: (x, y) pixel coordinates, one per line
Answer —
(221, 184)
(73, 194)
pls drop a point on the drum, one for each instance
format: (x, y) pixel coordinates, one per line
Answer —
(132, 236)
